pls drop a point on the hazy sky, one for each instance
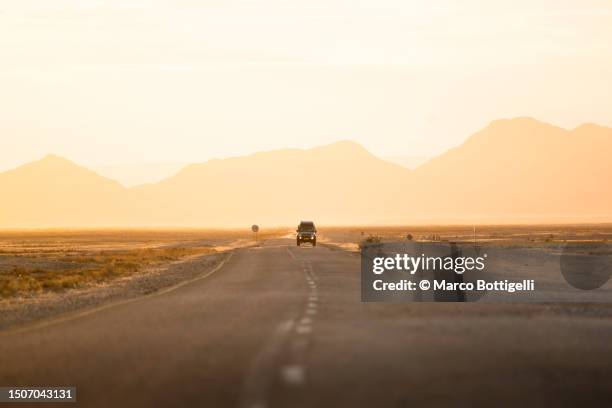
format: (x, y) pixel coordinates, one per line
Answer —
(127, 81)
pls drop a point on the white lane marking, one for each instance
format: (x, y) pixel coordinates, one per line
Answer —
(304, 329)
(285, 327)
(310, 271)
(306, 320)
(262, 370)
(293, 374)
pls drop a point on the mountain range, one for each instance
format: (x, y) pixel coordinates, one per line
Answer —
(513, 171)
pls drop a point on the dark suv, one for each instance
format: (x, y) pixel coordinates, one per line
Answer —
(307, 232)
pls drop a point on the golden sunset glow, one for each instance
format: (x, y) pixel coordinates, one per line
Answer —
(130, 82)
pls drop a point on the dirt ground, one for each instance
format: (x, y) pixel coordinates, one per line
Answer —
(498, 235)
(45, 273)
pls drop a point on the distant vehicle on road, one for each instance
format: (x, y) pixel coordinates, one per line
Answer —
(306, 232)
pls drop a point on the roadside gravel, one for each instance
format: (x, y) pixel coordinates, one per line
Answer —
(20, 311)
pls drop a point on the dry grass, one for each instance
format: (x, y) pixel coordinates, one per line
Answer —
(36, 262)
(86, 269)
(492, 235)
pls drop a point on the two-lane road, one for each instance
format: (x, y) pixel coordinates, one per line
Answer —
(282, 326)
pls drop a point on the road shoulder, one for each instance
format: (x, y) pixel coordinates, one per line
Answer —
(16, 313)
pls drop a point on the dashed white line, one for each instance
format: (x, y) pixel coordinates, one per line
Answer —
(306, 320)
(293, 374)
(303, 329)
(261, 371)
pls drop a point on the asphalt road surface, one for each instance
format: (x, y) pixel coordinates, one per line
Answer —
(282, 326)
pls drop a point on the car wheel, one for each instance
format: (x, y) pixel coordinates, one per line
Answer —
(298, 243)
